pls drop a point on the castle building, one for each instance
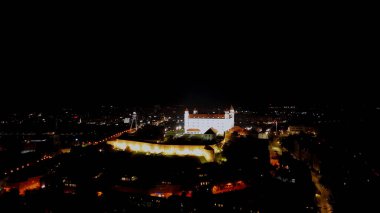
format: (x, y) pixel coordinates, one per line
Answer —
(199, 123)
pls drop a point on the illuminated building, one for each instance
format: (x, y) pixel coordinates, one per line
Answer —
(30, 184)
(295, 130)
(165, 191)
(199, 123)
(228, 187)
(263, 135)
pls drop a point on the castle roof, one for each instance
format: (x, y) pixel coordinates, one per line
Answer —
(211, 131)
(205, 116)
(193, 130)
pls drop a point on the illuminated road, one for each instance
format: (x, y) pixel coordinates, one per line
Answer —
(27, 165)
(323, 199)
(50, 156)
(112, 137)
(226, 139)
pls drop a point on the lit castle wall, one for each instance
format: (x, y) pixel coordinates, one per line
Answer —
(199, 123)
(166, 149)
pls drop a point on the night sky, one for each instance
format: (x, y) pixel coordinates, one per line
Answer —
(84, 66)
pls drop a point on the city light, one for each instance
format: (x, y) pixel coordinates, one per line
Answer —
(175, 154)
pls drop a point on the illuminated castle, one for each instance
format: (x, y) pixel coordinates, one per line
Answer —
(199, 123)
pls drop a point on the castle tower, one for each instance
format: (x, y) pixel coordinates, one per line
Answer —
(232, 116)
(195, 111)
(134, 120)
(232, 112)
(186, 119)
(226, 114)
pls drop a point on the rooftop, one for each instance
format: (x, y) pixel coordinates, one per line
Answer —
(204, 116)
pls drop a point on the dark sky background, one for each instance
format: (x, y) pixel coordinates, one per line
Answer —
(48, 64)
